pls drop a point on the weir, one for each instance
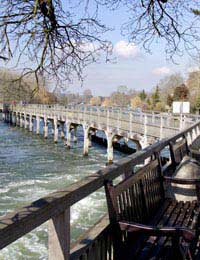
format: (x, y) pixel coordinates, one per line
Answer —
(97, 243)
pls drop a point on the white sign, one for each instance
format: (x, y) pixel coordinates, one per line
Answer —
(181, 107)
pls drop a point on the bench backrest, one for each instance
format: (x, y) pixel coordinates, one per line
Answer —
(178, 150)
(137, 197)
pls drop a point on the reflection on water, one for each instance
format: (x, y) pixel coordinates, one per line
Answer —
(31, 167)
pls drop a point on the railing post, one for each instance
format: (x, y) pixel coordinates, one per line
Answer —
(161, 127)
(37, 124)
(84, 117)
(59, 236)
(181, 122)
(30, 123)
(141, 116)
(145, 126)
(153, 118)
(109, 136)
(120, 118)
(75, 134)
(98, 115)
(108, 118)
(86, 140)
(20, 120)
(55, 122)
(118, 115)
(25, 121)
(62, 134)
(45, 128)
(68, 134)
(130, 123)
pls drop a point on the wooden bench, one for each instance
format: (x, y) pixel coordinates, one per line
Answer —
(178, 150)
(148, 225)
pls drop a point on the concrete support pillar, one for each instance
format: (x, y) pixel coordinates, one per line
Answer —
(12, 118)
(21, 121)
(68, 134)
(62, 134)
(75, 134)
(30, 123)
(45, 128)
(55, 124)
(109, 136)
(90, 139)
(16, 119)
(25, 122)
(37, 125)
(86, 140)
(4, 116)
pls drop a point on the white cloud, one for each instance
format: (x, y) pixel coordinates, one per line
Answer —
(125, 49)
(161, 71)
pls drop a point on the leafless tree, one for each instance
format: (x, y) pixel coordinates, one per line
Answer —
(174, 22)
(48, 38)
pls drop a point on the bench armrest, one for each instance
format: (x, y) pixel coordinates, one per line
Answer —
(195, 154)
(176, 231)
(182, 181)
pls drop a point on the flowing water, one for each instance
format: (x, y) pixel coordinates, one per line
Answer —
(31, 167)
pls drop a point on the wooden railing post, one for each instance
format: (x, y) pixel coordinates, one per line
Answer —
(59, 236)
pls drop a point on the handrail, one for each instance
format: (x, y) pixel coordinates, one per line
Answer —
(15, 225)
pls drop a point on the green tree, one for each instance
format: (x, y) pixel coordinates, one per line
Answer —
(143, 95)
(168, 84)
(14, 90)
(181, 93)
(169, 100)
(193, 84)
(156, 96)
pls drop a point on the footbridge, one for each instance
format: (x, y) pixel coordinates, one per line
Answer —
(143, 128)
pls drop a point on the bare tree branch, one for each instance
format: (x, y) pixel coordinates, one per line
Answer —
(50, 39)
(176, 22)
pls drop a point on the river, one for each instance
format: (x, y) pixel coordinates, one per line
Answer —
(31, 167)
